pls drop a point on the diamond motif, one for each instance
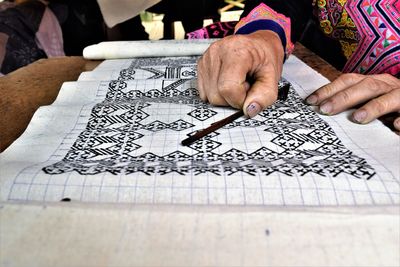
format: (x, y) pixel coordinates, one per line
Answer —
(202, 113)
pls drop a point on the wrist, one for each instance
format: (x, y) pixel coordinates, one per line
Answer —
(264, 18)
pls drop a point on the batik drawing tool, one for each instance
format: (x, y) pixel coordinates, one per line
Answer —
(282, 95)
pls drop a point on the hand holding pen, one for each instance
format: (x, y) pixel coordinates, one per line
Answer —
(224, 69)
(282, 95)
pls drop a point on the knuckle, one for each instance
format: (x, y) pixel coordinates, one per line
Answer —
(240, 53)
(224, 44)
(214, 99)
(350, 77)
(386, 76)
(396, 98)
(373, 85)
(380, 106)
(328, 90)
(232, 93)
(389, 78)
(238, 45)
(325, 91)
(229, 87)
(381, 85)
(225, 89)
(371, 81)
(344, 96)
(215, 46)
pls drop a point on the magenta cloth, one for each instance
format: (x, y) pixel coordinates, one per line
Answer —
(378, 23)
(215, 30)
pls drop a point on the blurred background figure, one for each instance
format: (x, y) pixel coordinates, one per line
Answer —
(28, 31)
(34, 29)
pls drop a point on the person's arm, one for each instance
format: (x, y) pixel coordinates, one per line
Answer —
(257, 50)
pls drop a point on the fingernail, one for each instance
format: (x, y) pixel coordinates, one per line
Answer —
(326, 108)
(253, 109)
(360, 116)
(312, 100)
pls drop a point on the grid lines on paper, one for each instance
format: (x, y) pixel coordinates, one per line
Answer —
(127, 150)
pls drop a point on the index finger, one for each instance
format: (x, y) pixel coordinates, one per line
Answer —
(344, 81)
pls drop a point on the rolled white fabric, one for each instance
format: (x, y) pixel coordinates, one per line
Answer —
(132, 49)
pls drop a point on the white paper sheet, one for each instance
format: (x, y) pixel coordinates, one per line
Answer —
(136, 156)
(161, 235)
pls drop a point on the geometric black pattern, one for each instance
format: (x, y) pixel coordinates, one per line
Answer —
(297, 141)
(202, 113)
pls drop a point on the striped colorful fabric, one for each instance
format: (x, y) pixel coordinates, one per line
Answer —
(269, 18)
(378, 24)
(215, 30)
(368, 31)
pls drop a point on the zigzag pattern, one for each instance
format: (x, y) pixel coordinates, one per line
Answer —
(301, 142)
(378, 23)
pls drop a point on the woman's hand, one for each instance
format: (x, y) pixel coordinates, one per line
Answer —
(380, 92)
(227, 64)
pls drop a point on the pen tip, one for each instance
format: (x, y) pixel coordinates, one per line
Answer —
(187, 141)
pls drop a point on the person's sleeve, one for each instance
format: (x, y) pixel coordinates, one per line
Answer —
(287, 18)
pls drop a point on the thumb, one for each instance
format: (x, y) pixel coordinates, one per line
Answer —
(262, 94)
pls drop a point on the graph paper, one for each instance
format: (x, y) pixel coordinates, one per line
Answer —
(114, 136)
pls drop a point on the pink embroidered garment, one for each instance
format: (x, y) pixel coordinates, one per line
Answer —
(368, 31)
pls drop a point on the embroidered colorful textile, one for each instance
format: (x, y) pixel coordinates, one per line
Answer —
(336, 23)
(215, 30)
(378, 23)
(269, 18)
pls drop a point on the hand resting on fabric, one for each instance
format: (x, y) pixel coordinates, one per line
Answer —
(380, 93)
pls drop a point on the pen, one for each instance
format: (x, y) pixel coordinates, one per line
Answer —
(282, 95)
(215, 126)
